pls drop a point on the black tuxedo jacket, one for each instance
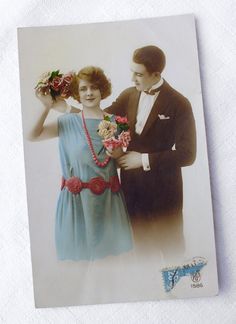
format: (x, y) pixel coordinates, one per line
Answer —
(170, 143)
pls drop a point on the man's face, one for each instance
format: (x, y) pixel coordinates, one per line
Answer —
(142, 79)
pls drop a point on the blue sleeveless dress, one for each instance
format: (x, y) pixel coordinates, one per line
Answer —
(88, 226)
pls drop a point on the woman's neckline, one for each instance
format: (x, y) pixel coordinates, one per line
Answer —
(79, 114)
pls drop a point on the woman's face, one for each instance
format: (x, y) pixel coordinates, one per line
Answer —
(89, 93)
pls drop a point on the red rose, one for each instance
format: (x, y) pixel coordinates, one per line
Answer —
(56, 83)
(74, 185)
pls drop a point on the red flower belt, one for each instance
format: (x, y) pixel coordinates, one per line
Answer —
(97, 185)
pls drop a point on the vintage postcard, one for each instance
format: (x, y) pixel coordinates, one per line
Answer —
(116, 164)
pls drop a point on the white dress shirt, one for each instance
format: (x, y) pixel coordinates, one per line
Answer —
(145, 105)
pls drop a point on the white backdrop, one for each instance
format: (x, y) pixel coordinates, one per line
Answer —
(216, 34)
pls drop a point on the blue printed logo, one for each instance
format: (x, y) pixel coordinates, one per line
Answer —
(172, 275)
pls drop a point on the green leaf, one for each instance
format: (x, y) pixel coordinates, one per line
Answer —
(101, 150)
(107, 118)
(55, 74)
(123, 127)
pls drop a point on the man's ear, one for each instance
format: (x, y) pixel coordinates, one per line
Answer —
(157, 74)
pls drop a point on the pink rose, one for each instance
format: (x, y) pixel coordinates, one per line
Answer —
(125, 138)
(111, 143)
(121, 120)
(67, 78)
(65, 92)
(65, 86)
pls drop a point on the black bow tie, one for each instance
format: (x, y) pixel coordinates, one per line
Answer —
(152, 92)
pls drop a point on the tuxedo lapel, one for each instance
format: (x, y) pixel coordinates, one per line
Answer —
(159, 105)
(132, 109)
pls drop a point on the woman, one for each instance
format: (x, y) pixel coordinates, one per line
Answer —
(91, 217)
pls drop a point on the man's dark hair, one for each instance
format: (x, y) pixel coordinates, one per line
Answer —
(152, 57)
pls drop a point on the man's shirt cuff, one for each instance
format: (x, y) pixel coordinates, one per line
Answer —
(145, 162)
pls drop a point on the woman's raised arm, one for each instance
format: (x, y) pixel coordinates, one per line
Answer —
(40, 131)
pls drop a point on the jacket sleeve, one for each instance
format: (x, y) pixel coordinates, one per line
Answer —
(119, 106)
(184, 153)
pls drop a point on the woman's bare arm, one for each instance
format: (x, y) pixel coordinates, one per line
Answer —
(40, 131)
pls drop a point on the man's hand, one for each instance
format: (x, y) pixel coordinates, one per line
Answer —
(130, 160)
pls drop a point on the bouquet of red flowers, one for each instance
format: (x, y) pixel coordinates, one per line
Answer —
(115, 133)
(56, 84)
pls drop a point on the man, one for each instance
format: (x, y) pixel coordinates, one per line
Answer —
(163, 140)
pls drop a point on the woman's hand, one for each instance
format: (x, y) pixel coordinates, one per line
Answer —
(59, 104)
(115, 153)
(46, 100)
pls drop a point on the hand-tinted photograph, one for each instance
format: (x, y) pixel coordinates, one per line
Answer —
(117, 174)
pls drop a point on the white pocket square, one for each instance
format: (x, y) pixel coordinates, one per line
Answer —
(163, 117)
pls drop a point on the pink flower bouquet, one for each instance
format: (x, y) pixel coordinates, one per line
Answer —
(114, 133)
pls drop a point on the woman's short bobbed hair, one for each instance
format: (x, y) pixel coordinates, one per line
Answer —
(94, 75)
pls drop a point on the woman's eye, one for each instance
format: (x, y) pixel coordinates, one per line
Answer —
(82, 89)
